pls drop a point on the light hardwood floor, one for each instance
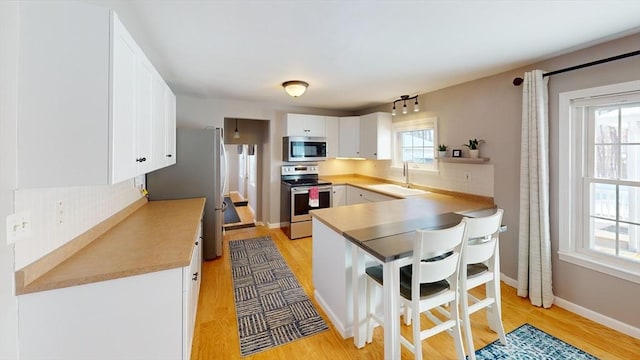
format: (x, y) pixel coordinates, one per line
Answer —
(216, 334)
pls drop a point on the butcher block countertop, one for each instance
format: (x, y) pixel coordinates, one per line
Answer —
(349, 218)
(157, 235)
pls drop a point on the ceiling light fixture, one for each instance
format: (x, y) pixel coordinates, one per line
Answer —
(236, 134)
(404, 99)
(295, 88)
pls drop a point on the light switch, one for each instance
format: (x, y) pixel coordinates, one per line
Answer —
(18, 226)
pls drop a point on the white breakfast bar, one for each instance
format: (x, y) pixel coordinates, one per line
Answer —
(347, 239)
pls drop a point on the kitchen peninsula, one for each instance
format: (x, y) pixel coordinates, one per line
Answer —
(348, 238)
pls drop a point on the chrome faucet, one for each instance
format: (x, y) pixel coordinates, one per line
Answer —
(405, 173)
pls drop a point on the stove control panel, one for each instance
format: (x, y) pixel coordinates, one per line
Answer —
(309, 169)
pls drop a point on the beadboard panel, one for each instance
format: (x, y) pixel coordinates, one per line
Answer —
(60, 214)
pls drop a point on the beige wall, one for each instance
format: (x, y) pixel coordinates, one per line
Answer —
(490, 109)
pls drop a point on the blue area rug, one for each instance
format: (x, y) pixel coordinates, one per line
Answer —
(271, 307)
(530, 343)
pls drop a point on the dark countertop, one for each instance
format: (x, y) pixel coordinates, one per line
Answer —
(386, 229)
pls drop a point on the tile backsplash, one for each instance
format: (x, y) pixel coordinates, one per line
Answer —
(58, 215)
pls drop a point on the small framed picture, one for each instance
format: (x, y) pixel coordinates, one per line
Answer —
(456, 153)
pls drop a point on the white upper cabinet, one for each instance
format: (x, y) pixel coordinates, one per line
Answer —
(305, 125)
(164, 129)
(349, 137)
(332, 127)
(170, 126)
(124, 70)
(85, 99)
(375, 136)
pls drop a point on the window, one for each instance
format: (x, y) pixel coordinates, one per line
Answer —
(414, 141)
(600, 179)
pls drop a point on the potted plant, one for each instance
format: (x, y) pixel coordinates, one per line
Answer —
(474, 152)
(442, 150)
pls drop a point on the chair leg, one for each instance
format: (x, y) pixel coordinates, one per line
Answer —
(494, 312)
(466, 320)
(417, 342)
(456, 331)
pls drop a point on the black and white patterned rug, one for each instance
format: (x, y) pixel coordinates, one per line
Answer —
(271, 307)
(530, 343)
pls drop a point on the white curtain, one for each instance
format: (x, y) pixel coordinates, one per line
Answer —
(534, 255)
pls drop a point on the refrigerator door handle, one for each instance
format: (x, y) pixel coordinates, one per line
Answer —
(224, 174)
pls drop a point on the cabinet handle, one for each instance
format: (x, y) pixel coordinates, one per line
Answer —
(195, 277)
(196, 243)
(141, 159)
(169, 155)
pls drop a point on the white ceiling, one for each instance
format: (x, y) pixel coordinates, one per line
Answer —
(357, 54)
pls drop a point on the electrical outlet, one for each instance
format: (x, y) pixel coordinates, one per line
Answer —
(467, 176)
(18, 226)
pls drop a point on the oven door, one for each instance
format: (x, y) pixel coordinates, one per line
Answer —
(300, 202)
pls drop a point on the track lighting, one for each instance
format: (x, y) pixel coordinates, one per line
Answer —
(404, 99)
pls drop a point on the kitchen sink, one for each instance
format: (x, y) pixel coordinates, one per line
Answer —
(397, 190)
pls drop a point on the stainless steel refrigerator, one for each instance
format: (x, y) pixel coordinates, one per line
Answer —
(200, 170)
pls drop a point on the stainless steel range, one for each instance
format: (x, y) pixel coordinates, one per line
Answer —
(298, 183)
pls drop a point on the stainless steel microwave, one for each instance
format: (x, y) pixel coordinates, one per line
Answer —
(304, 148)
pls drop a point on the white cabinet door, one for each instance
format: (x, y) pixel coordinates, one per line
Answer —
(349, 136)
(192, 279)
(163, 124)
(356, 195)
(339, 195)
(144, 121)
(305, 125)
(375, 136)
(316, 125)
(170, 127)
(160, 117)
(332, 127)
(123, 94)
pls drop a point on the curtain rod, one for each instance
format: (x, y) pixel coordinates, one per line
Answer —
(517, 81)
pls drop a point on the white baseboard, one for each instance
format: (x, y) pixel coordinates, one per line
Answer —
(274, 225)
(344, 332)
(597, 317)
(584, 312)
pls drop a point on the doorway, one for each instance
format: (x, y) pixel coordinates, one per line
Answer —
(245, 154)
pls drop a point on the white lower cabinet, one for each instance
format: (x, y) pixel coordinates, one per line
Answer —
(192, 279)
(339, 193)
(356, 195)
(148, 316)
